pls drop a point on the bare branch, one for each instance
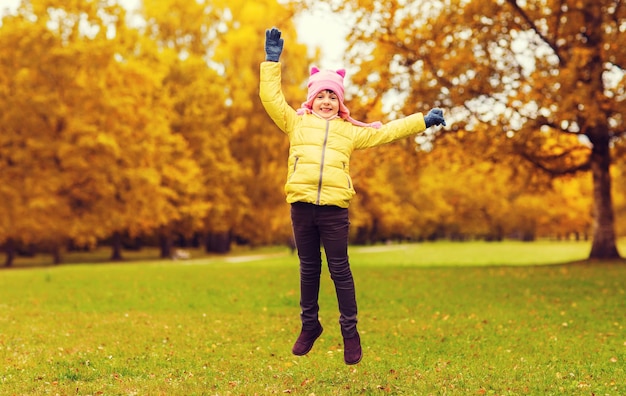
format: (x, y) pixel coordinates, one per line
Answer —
(533, 26)
(543, 162)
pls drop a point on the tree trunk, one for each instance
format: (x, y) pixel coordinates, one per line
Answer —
(603, 244)
(218, 242)
(361, 236)
(116, 245)
(166, 244)
(57, 256)
(9, 250)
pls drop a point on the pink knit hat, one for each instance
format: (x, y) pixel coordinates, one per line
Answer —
(321, 80)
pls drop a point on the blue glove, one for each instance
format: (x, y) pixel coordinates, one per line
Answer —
(273, 45)
(434, 117)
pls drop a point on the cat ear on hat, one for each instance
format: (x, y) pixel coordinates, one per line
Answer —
(314, 70)
(341, 72)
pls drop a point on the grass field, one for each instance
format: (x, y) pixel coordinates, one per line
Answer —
(438, 319)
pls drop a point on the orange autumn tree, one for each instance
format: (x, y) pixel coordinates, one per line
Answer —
(258, 145)
(189, 32)
(493, 198)
(93, 159)
(219, 112)
(548, 76)
(619, 173)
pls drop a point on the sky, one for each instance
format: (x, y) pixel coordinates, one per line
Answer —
(318, 28)
(324, 29)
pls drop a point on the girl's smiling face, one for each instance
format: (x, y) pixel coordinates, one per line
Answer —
(326, 104)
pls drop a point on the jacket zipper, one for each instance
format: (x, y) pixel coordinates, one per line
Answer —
(319, 185)
(295, 165)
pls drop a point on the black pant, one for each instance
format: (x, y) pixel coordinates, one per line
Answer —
(314, 226)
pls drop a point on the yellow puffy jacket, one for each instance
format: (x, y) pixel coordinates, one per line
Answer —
(319, 152)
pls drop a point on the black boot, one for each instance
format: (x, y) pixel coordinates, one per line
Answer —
(305, 341)
(352, 352)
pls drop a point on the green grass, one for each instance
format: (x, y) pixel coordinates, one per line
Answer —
(443, 318)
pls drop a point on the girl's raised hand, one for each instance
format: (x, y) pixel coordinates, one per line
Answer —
(273, 45)
(434, 117)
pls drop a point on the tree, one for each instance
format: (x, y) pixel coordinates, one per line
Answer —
(215, 89)
(548, 75)
(619, 173)
(259, 147)
(199, 104)
(95, 157)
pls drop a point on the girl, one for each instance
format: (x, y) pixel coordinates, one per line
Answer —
(322, 137)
